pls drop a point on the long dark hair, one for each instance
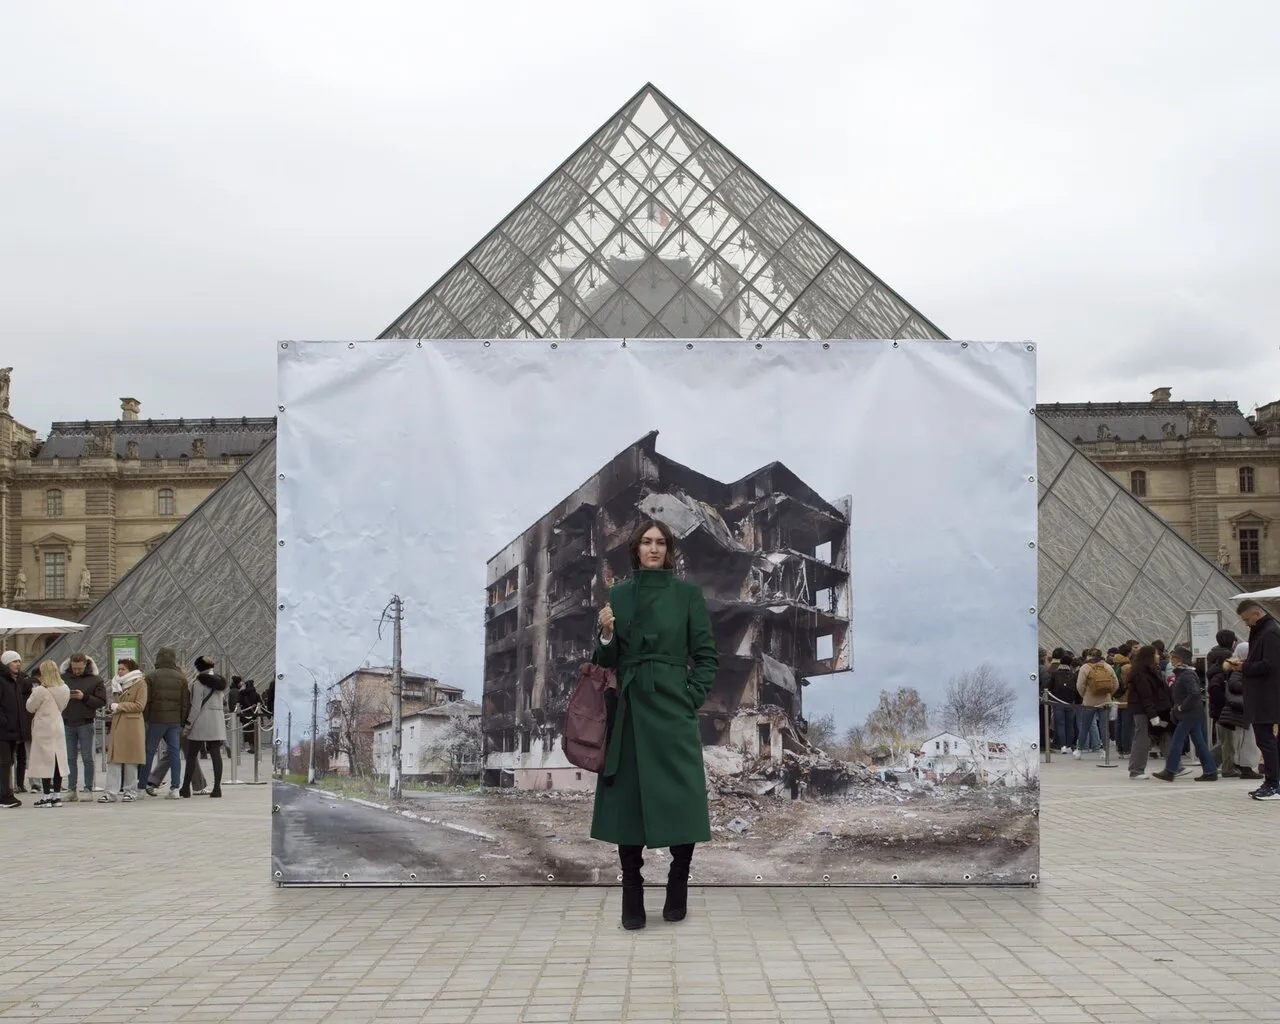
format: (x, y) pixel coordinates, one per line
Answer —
(1144, 657)
(637, 535)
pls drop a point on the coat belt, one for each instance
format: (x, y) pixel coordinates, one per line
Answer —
(643, 678)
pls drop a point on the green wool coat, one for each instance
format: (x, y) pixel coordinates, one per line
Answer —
(653, 790)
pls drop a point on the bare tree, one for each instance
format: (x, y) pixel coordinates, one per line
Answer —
(899, 720)
(822, 731)
(978, 704)
(458, 747)
(353, 712)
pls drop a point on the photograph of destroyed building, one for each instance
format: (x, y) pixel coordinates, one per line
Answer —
(772, 559)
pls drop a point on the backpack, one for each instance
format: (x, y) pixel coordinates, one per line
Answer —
(586, 725)
(1100, 681)
(1062, 684)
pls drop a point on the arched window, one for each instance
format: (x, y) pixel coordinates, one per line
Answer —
(1246, 479)
(53, 503)
(1138, 483)
(165, 505)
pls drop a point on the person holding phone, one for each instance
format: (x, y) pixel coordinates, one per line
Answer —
(655, 631)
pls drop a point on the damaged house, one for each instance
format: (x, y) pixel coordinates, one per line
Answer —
(771, 556)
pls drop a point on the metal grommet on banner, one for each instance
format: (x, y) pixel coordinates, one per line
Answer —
(555, 344)
(826, 878)
(968, 878)
(281, 476)
(282, 543)
(619, 878)
(826, 345)
(1031, 544)
(759, 346)
(413, 876)
(280, 607)
(487, 344)
(279, 874)
(759, 878)
(280, 408)
(284, 344)
(419, 345)
(351, 344)
(1031, 348)
(280, 675)
(551, 878)
(894, 878)
(964, 344)
(1035, 746)
(895, 344)
(688, 344)
(1031, 611)
(346, 876)
(1035, 877)
(1031, 479)
(484, 878)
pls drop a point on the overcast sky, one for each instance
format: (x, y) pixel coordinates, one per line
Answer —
(186, 183)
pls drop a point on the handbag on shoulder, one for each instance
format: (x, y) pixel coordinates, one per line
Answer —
(586, 723)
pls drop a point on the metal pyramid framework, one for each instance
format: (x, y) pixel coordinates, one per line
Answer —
(654, 229)
(208, 588)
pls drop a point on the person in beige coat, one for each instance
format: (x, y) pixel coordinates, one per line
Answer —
(127, 744)
(48, 737)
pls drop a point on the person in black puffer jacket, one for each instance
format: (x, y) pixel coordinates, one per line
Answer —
(1062, 687)
(1240, 754)
(1215, 676)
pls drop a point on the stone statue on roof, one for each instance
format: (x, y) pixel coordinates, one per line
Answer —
(20, 587)
(6, 375)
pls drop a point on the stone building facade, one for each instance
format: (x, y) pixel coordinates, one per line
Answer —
(1207, 469)
(81, 507)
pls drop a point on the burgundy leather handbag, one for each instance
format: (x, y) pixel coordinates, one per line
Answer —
(586, 724)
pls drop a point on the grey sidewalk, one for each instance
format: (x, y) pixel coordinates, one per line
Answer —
(1159, 903)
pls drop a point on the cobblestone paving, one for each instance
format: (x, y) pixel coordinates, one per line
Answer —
(1159, 903)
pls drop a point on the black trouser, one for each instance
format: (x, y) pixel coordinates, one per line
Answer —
(51, 787)
(6, 770)
(19, 764)
(194, 748)
(1265, 734)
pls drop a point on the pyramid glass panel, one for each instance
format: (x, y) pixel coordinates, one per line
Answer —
(207, 588)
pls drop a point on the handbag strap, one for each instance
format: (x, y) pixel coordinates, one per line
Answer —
(207, 696)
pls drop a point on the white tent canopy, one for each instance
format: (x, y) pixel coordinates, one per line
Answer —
(1259, 595)
(12, 622)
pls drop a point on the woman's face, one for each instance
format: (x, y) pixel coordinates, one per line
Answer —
(653, 549)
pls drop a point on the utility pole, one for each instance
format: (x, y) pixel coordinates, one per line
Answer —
(311, 750)
(288, 743)
(397, 694)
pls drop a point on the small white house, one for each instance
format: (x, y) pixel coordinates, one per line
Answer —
(948, 753)
(426, 738)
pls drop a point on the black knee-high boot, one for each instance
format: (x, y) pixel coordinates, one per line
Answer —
(215, 753)
(632, 859)
(677, 903)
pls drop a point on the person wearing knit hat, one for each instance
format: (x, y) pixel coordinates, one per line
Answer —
(1188, 712)
(12, 705)
(205, 730)
(15, 723)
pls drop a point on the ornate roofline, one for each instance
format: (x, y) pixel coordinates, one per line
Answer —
(250, 424)
(1136, 408)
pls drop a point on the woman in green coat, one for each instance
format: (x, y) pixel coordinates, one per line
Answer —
(656, 632)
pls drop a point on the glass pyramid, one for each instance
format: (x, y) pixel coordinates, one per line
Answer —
(208, 588)
(654, 229)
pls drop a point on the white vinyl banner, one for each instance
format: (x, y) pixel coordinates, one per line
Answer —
(840, 618)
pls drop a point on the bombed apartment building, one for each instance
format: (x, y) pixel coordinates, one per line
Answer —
(771, 556)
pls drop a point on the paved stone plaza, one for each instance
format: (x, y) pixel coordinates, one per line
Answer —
(1159, 903)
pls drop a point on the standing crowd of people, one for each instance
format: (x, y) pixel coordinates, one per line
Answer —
(1156, 703)
(160, 723)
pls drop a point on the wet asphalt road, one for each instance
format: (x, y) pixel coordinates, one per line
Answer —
(317, 838)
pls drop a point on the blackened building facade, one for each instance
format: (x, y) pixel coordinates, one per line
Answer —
(771, 556)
